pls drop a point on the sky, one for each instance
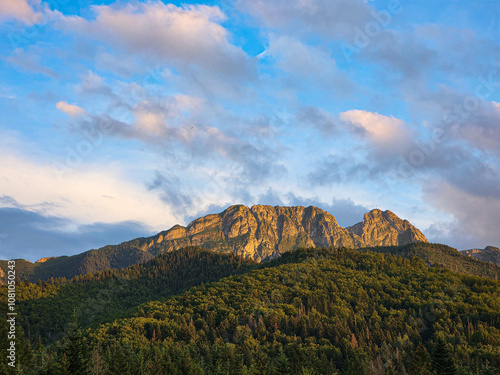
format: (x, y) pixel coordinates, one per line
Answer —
(122, 119)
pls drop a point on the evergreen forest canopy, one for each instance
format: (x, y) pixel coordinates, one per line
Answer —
(314, 311)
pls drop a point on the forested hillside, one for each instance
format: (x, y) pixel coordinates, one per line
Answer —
(308, 312)
(107, 257)
(259, 233)
(48, 306)
(438, 255)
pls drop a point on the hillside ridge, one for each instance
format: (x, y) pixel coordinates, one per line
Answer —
(259, 233)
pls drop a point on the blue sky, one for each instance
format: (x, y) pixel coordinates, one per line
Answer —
(121, 119)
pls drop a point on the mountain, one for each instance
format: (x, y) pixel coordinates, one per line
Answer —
(108, 257)
(259, 233)
(437, 255)
(265, 232)
(106, 295)
(386, 229)
(310, 311)
(488, 254)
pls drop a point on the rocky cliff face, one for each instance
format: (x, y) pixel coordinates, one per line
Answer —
(488, 254)
(384, 228)
(264, 232)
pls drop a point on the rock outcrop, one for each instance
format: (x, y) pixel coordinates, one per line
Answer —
(384, 228)
(264, 232)
(488, 254)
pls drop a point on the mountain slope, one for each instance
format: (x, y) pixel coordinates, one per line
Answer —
(47, 307)
(488, 254)
(314, 311)
(437, 255)
(108, 257)
(259, 233)
(107, 295)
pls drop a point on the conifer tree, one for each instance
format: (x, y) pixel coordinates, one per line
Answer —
(74, 349)
(421, 361)
(442, 361)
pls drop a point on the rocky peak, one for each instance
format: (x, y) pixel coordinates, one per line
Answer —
(263, 232)
(42, 260)
(384, 228)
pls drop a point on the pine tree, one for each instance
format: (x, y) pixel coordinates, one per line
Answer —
(442, 361)
(356, 364)
(74, 349)
(421, 362)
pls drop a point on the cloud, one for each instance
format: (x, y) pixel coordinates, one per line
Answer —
(318, 118)
(93, 84)
(475, 217)
(32, 235)
(19, 10)
(89, 194)
(173, 192)
(331, 18)
(184, 36)
(381, 130)
(168, 124)
(70, 109)
(306, 65)
(387, 135)
(29, 61)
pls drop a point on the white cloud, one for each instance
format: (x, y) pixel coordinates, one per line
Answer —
(184, 35)
(152, 121)
(19, 10)
(91, 194)
(381, 130)
(298, 58)
(497, 106)
(70, 109)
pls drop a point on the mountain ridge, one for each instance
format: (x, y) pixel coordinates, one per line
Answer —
(490, 254)
(273, 230)
(259, 233)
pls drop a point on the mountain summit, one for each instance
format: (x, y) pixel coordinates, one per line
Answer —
(258, 233)
(264, 232)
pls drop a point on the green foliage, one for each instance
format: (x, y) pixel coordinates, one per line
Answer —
(48, 307)
(438, 255)
(108, 257)
(315, 311)
(442, 361)
(420, 364)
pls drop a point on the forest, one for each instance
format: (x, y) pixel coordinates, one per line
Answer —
(311, 311)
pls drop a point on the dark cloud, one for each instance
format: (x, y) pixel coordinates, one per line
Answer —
(475, 218)
(172, 191)
(317, 118)
(331, 18)
(339, 169)
(31, 235)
